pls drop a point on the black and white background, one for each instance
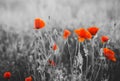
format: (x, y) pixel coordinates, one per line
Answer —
(24, 51)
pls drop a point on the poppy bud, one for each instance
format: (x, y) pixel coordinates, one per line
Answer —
(28, 78)
(7, 75)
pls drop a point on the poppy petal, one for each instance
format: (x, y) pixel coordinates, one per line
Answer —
(93, 30)
(88, 35)
(55, 47)
(66, 34)
(7, 75)
(113, 59)
(28, 78)
(81, 39)
(104, 39)
(109, 54)
(39, 23)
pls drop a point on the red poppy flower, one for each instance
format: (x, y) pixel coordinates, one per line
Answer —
(51, 62)
(55, 47)
(39, 23)
(93, 30)
(109, 54)
(104, 39)
(7, 75)
(28, 78)
(82, 34)
(66, 34)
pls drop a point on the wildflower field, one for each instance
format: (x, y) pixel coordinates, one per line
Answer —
(59, 54)
(59, 40)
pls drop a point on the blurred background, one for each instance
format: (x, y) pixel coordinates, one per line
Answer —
(21, 13)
